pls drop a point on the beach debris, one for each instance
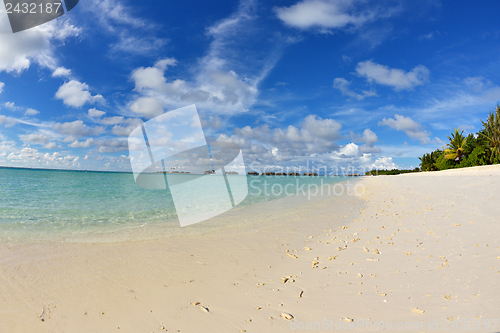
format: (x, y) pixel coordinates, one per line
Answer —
(204, 309)
(195, 303)
(456, 225)
(41, 315)
(366, 249)
(376, 251)
(360, 275)
(408, 253)
(286, 316)
(344, 227)
(447, 296)
(417, 310)
(350, 320)
(292, 256)
(300, 294)
(355, 240)
(444, 264)
(332, 258)
(371, 259)
(373, 275)
(307, 249)
(450, 318)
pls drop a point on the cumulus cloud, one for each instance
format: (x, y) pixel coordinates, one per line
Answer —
(393, 77)
(75, 94)
(384, 163)
(31, 112)
(19, 50)
(148, 107)
(51, 145)
(29, 156)
(36, 138)
(61, 72)
(407, 125)
(330, 14)
(77, 128)
(104, 146)
(7, 121)
(369, 138)
(343, 85)
(94, 113)
(313, 136)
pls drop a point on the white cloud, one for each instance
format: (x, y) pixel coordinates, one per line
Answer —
(31, 112)
(51, 145)
(148, 107)
(19, 50)
(152, 77)
(393, 77)
(112, 120)
(407, 125)
(343, 85)
(369, 137)
(62, 72)
(36, 138)
(384, 163)
(330, 14)
(85, 144)
(11, 105)
(76, 94)
(94, 113)
(123, 131)
(2, 85)
(77, 128)
(28, 156)
(9, 122)
(314, 136)
(105, 146)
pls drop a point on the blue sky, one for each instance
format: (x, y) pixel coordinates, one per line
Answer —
(336, 83)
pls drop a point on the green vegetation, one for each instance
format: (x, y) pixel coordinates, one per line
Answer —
(483, 148)
(389, 172)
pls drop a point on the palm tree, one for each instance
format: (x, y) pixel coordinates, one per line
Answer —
(428, 161)
(456, 146)
(491, 131)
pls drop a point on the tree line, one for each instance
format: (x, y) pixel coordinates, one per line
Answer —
(480, 148)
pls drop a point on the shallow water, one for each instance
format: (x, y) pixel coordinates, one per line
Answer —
(50, 204)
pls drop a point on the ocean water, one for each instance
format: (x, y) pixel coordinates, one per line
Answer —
(53, 205)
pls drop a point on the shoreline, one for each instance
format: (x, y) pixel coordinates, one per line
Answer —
(249, 213)
(413, 248)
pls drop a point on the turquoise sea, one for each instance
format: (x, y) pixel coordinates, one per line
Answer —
(46, 204)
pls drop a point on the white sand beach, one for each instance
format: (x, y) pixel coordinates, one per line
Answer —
(420, 250)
